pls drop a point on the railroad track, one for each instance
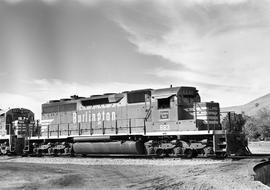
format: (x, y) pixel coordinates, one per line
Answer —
(253, 156)
(136, 156)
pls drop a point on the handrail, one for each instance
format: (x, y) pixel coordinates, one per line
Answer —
(91, 127)
(148, 114)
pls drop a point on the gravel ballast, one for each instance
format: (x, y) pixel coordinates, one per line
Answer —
(126, 173)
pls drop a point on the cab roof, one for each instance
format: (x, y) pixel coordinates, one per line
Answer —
(167, 92)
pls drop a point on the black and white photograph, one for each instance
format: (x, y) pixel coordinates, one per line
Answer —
(135, 94)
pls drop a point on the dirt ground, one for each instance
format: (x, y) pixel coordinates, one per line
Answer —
(126, 173)
(121, 173)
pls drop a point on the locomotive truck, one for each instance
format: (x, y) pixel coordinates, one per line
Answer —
(169, 121)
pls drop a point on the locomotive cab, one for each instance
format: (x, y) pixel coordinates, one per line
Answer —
(172, 109)
(181, 109)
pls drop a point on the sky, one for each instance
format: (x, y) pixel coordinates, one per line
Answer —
(52, 49)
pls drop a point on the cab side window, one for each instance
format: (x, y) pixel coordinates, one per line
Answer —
(164, 103)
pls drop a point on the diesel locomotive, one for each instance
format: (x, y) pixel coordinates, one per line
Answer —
(15, 126)
(169, 121)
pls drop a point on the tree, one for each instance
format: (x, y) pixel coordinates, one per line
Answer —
(258, 126)
(251, 128)
(263, 121)
(233, 122)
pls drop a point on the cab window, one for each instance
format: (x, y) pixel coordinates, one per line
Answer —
(164, 103)
(188, 99)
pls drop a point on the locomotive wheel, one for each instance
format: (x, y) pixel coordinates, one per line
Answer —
(50, 151)
(150, 150)
(159, 152)
(72, 153)
(177, 151)
(194, 153)
(67, 151)
(25, 154)
(207, 151)
(4, 151)
(55, 152)
(39, 152)
(34, 152)
(221, 155)
(188, 153)
(168, 152)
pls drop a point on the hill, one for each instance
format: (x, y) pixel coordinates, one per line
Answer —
(252, 107)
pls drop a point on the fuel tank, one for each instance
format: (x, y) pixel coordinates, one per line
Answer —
(116, 147)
